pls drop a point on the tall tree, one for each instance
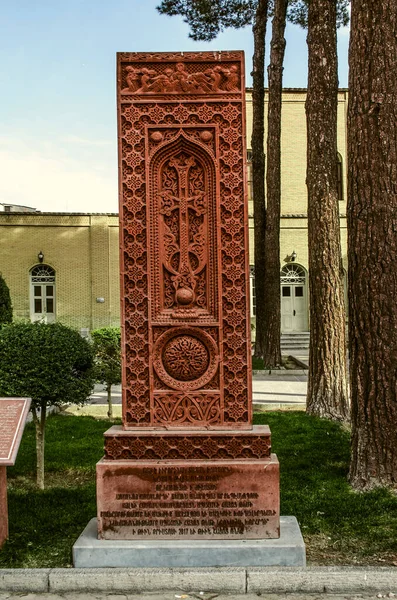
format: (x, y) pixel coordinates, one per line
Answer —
(327, 384)
(272, 312)
(206, 19)
(372, 238)
(258, 171)
(297, 12)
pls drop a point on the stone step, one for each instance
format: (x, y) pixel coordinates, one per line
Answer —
(295, 341)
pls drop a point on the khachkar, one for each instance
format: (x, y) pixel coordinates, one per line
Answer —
(187, 462)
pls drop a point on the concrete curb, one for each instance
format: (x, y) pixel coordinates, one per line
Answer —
(261, 375)
(227, 580)
(335, 580)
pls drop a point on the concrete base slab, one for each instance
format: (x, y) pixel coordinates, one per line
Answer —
(286, 551)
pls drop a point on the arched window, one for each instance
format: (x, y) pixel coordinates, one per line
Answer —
(293, 273)
(339, 174)
(42, 293)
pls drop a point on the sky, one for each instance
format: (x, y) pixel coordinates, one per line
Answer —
(58, 137)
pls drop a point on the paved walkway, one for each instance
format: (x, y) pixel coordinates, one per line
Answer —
(270, 392)
(281, 389)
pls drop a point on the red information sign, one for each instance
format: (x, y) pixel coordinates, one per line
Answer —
(13, 413)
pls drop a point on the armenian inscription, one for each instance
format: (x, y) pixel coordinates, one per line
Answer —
(201, 501)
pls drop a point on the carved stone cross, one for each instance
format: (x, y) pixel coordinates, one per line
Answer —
(184, 278)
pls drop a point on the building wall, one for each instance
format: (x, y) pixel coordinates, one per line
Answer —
(83, 250)
(293, 174)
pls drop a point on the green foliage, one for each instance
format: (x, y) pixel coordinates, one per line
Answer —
(314, 455)
(257, 363)
(208, 18)
(298, 11)
(5, 302)
(107, 352)
(353, 528)
(44, 524)
(48, 362)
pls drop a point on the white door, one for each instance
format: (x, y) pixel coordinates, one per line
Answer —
(43, 303)
(293, 308)
(293, 299)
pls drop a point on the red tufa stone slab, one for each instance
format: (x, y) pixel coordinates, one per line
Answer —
(184, 241)
(13, 413)
(201, 500)
(188, 463)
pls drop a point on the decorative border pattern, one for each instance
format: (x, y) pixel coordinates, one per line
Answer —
(189, 410)
(192, 447)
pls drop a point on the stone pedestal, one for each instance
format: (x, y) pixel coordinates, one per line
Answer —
(288, 550)
(176, 499)
(187, 465)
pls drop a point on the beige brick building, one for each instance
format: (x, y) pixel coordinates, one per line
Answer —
(76, 281)
(293, 235)
(76, 277)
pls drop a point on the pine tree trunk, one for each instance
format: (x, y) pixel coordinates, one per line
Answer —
(258, 167)
(39, 421)
(372, 231)
(110, 405)
(327, 387)
(272, 311)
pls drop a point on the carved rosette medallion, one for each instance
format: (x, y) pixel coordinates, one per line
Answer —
(185, 358)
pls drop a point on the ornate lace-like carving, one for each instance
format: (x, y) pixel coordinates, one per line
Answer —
(185, 358)
(206, 134)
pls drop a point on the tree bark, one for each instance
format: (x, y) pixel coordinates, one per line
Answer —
(39, 421)
(258, 167)
(372, 241)
(109, 397)
(327, 394)
(272, 311)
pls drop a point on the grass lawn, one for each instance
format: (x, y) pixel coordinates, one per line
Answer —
(339, 526)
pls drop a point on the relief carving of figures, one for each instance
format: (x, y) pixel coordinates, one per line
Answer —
(177, 79)
(183, 231)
